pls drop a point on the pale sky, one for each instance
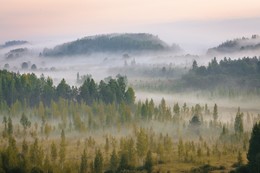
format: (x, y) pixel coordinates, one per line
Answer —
(38, 19)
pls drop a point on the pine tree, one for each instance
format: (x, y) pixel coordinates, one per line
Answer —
(215, 113)
(5, 122)
(176, 109)
(107, 145)
(83, 164)
(53, 152)
(238, 125)
(148, 162)
(253, 155)
(36, 154)
(98, 162)
(62, 152)
(25, 122)
(12, 152)
(180, 149)
(25, 148)
(113, 161)
(10, 126)
(47, 165)
(142, 143)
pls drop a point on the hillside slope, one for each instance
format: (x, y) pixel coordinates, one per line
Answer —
(111, 43)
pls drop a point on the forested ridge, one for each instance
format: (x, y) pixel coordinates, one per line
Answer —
(238, 45)
(114, 43)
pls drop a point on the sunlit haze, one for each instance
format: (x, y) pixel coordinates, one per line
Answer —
(56, 19)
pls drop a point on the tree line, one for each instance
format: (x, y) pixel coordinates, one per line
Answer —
(238, 74)
(31, 90)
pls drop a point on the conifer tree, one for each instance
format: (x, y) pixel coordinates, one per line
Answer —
(148, 162)
(62, 152)
(53, 152)
(142, 143)
(10, 126)
(83, 164)
(253, 154)
(98, 162)
(113, 161)
(215, 113)
(238, 125)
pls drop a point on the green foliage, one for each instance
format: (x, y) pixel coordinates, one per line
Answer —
(25, 121)
(236, 74)
(142, 143)
(215, 113)
(148, 165)
(62, 152)
(253, 155)
(83, 163)
(110, 43)
(54, 153)
(10, 126)
(113, 164)
(238, 125)
(27, 88)
(98, 162)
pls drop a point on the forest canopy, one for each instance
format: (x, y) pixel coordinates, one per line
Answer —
(239, 73)
(31, 90)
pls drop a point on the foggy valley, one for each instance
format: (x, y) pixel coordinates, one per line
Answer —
(192, 111)
(129, 86)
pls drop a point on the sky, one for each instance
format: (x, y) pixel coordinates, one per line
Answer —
(175, 21)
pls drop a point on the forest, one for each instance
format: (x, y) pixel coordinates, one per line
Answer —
(102, 128)
(239, 73)
(219, 78)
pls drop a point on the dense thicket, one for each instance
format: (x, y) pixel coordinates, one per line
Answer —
(28, 89)
(110, 43)
(238, 73)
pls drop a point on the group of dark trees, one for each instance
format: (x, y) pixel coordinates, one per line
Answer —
(253, 154)
(31, 90)
(238, 73)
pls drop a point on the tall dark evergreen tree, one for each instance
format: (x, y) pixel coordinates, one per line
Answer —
(98, 162)
(238, 125)
(253, 155)
(148, 165)
(83, 163)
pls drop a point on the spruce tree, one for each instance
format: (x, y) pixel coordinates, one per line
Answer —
(98, 162)
(215, 113)
(62, 152)
(10, 126)
(238, 126)
(83, 164)
(113, 161)
(253, 155)
(148, 162)
(53, 152)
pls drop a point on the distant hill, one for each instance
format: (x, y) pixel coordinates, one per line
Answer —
(16, 53)
(240, 45)
(13, 43)
(111, 43)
